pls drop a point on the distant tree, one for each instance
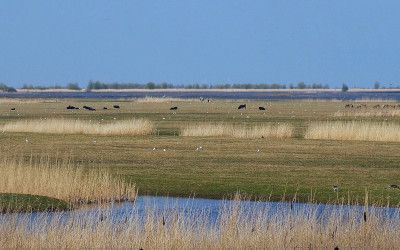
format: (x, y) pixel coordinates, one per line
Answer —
(6, 88)
(301, 85)
(377, 85)
(150, 85)
(73, 86)
(345, 88)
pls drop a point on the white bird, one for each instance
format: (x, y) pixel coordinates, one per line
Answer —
(258, 150)
(154, 149)
(164, 150)
(26, 140)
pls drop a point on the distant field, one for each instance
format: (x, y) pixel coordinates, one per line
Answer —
(167, 163)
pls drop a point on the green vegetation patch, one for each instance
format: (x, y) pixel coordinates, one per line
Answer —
(30, 203)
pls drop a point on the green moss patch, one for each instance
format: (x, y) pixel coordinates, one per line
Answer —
(30, 203)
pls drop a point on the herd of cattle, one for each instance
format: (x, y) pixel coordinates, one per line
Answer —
(377, 106)
(90, 108)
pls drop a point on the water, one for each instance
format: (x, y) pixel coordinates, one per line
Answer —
(210, 209)
(279, 95)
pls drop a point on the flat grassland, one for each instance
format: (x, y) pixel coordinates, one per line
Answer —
(166, 163)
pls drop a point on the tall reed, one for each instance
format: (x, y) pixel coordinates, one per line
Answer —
(66, 126)
(64, 181)
(238, 131)
(361, 131)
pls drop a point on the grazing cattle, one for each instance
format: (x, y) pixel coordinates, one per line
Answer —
(89, 108)
(105, 108)
(349, 106)
(174, 108)
(242, 106)
(377, 106)
(261, 108)
(116, 106)
(72, 107)
(12, 108)
(394, 186)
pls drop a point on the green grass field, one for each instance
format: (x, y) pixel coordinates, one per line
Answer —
(264, 168)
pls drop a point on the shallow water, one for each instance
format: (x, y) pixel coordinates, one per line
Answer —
(279, 95)
(210, 209)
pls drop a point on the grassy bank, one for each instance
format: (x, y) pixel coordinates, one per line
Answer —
(10, 203)
(261, 167)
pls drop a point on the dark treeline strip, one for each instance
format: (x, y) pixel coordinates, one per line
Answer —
(5, 88)
(151, 85)
(70, 86)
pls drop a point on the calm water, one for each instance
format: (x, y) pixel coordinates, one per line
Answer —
(209, 208)
(395, 95)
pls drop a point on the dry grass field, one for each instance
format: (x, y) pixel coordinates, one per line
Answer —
(167, 163)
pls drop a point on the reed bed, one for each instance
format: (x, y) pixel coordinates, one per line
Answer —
(371, 113)
(64, 181)
(236, 227)
(359, 131)
(65, 126)
(238, 131)
(150, 99)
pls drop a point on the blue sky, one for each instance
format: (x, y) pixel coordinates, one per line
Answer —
(316, 41)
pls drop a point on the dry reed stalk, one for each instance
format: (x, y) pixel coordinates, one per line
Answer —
(237, 131)
(63, 181)
(65, 126)
(360, 131)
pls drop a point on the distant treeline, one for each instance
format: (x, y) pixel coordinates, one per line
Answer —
(70, 86)
(5, 88)
(151, 85)
(97, 85)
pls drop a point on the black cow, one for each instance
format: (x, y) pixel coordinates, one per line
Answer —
(116, 106)
(89, 108)
(349, 106)
(174, 108)
(242, 106)
(105, 108)
(261, 108)
(72, 107)
(12, 108)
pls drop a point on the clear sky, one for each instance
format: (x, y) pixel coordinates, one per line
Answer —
(206, 41)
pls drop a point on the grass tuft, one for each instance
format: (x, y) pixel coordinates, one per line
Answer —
(237, 131)
(64, 126)
(63, 181)
(358, 131)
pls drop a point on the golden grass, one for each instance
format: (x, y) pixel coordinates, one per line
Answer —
(238, 131)
(27, 100)
(246, 227)
(63, 181)
(370, 113)
(360, 131)
(64, 126)
(150, 99)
